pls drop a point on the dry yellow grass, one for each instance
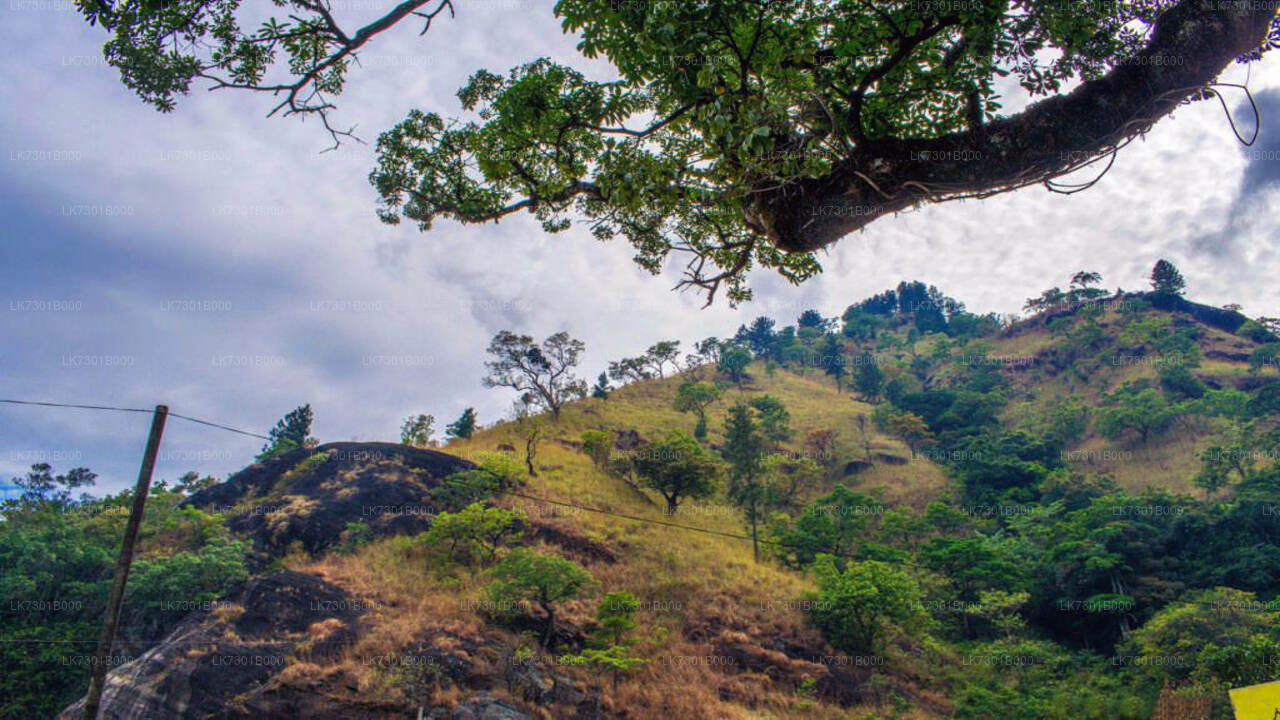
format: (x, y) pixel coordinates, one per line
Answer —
(692, 586)
(698, 589)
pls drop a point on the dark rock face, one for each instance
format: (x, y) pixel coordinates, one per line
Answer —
(1214, 317)
(217, 659)
(308, 496)
(629, 440)
(857, 466)
(889, 459)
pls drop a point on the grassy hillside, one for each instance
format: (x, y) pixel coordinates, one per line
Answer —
(726, 636)
(1070, 516)
(705, 601)
(701, 593)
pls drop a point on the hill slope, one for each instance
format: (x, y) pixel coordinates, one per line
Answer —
(1009, 510)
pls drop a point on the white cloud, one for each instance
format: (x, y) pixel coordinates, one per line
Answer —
(371, 323)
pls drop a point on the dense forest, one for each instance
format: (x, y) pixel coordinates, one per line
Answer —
(907, 511)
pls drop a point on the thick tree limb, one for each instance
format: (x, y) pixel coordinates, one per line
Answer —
(1191, 44)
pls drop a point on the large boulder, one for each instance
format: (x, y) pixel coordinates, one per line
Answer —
(215, 661)
(309, 496)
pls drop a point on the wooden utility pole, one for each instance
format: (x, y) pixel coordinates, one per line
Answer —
(116, 599)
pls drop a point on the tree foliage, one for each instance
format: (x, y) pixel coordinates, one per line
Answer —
(1166, 280)
(473, 534)
(291, 432)
(857, 606)
(544, 580)
(416, 431)
(463, 427)
(739, 134)
(679, 468)
(694, 396)
(542, 373)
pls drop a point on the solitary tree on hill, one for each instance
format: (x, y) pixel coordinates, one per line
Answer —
(291, 432)
(679, 468)
(463, 426)
(544, 580)
(661, 354)
(417, 431)
(694, 396)
(1166, 280)
(542, 373)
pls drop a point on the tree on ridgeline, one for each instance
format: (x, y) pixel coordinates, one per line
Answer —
(291, 432)
(1167, 280)
(542, 373)
(416, 431)
(464, 426)
(602, 388)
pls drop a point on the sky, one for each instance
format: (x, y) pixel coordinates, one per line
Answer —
(215, 260)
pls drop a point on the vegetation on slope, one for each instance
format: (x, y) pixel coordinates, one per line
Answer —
(910, 511)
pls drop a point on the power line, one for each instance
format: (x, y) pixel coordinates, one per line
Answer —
(137, 410)
(219, 426)
(82, 407)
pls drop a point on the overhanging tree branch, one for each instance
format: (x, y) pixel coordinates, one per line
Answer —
(1192, 43)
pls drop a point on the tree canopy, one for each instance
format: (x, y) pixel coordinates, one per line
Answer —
(543, 373)
(738, 133)
(291, 432)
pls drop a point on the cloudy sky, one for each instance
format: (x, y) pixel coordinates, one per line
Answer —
(214, 260)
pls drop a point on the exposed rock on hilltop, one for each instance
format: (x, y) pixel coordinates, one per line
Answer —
(309, 495)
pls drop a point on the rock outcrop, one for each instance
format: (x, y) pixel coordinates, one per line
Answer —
(216, 661)
(310, 495)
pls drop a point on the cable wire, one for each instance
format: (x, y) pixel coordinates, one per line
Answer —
(210, 423)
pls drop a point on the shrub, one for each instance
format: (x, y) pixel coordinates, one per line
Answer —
(311, 463)
(597, 446)
(525, 576)
(473, 534)
(464, 488)
(356, 535)
(856, 607)
(504, 467)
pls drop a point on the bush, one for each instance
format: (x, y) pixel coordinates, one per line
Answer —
(1179, 383)
(1196, 633)
(504, 467)
(311, 463)
(1266, 401)
(356, 535)
(856, 607)
(1268, 355)
(464, 488)
(1255, 332)
(597, 446)
(474, 534)
(191, 578)
(525, 576)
